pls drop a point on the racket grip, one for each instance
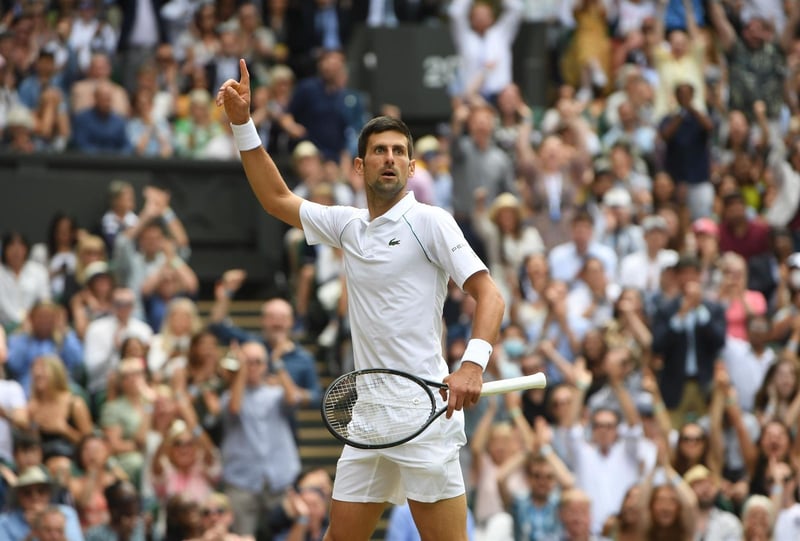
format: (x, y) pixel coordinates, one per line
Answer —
(534, 381)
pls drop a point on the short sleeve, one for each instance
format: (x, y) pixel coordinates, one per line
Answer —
(325, 224)
(450, 250)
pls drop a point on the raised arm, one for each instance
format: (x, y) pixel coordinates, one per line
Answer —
(725, 31)
(269, 187)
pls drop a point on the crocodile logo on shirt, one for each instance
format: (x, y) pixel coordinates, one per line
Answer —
(394, 242)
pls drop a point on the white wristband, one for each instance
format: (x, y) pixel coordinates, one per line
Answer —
(246, 136)
(478, 351)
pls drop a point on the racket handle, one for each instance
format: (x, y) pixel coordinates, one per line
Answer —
(534, 381)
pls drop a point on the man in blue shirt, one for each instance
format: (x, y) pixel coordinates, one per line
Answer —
(46, 337)
(99, 129)
(32, 496)
(277, 320)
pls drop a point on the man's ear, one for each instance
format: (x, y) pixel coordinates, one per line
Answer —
(358, 165)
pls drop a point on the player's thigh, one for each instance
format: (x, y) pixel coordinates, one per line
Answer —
(353, 521)
(445, 520)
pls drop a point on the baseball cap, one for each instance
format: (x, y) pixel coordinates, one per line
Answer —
(305, 149)
(654, 222)
(96, 268)
(617, 197)
(426, 144)
(696, 473)
(705, 226)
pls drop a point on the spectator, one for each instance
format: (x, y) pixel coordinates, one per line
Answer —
(148, 136)
(741, 304)
(607, 464)
(96, 474)
(218, 518)
(755, 59)
(738, 233)
(157, 241)
(32, 496)
(257, 432)
(575, 515)
(19, 134)
(679, 59)
(566, 260)
(99, 129)
(477, 33)
(104, 338)
(127, 522)
(758, 518)
(23, 282)
(619, 232)
(586, 62)
(277, 321)
(186, 463)
(32, 87)
(193, 134)
(748, 360)
(59, 414)
(126, 419)
(318, 106)
(58, 255)
(120, 214)
(309, 167)
(13, 410)
(706, 235)
(90, 34)
(84, 92)
(688, 333)
(642, 269)
(49, 525)
(48, 335)
(669, 510)
(95, 299)
(509, 240)
(202, 382)
(764, 271)
(687, 134)
(712, 522)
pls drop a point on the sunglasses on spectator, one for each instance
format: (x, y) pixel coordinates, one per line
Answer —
(182, 443)
(784, 480)
(545, 476)
(35, 490)
(692, 438)
(607, 426)
(215, 511)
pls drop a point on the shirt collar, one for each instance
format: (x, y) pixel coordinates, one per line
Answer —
(398, 210)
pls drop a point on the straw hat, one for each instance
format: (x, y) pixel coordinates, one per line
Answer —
(505, 200)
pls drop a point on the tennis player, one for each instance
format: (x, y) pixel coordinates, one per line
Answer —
(399, 255)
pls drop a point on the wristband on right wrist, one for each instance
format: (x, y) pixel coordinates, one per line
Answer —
(478, 351)
(246, 136)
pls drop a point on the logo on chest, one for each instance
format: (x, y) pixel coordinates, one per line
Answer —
(394, 242)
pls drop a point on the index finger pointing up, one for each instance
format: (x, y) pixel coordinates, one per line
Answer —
(244, 79)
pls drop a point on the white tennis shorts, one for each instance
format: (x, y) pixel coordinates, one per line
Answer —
(426, 469)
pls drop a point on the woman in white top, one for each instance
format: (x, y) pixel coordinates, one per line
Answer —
(509, 240)
(169, 347)
(23, 282)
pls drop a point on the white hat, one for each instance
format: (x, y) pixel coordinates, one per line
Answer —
(617, 197)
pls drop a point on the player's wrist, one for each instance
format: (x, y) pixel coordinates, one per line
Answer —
(246, 135)
(478, 351)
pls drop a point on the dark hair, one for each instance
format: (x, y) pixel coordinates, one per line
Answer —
(582, 215)
(26, 439)
(10, 237)
(51, 231)
(382, 124)
(78, 454)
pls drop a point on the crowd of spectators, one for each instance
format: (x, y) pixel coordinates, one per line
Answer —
(644, 229)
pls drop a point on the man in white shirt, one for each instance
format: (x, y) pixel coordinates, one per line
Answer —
(13, 413)
(105, 335)
(747, 361)
(484, 44)
(566, 260)
(642, 270)
(399, 257)
(606, 464)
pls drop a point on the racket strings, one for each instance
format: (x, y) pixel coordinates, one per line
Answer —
(377, 408)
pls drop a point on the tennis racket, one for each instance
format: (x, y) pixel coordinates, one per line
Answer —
(379, 407)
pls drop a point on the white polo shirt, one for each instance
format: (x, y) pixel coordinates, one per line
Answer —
(397, 268)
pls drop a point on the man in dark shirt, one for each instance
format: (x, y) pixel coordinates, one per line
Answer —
(687, 133)
(739, 233)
